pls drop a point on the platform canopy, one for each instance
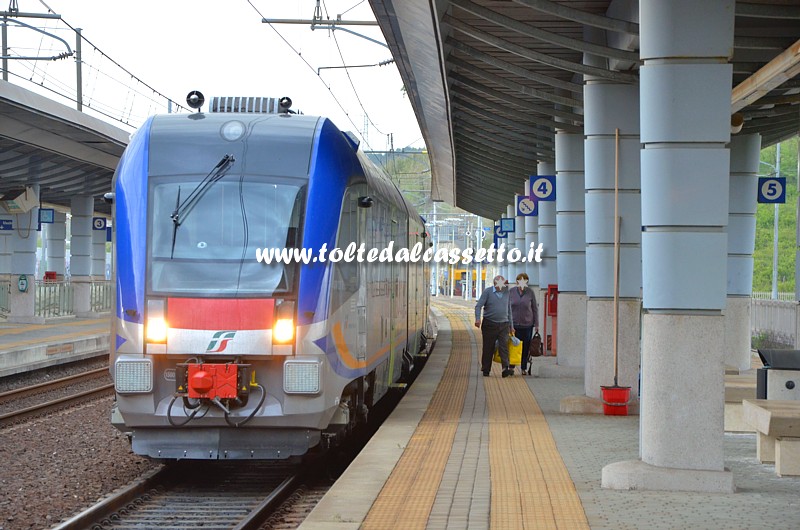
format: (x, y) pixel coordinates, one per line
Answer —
(491, 81)
(66, 152)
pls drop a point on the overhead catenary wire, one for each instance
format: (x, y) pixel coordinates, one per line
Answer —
(115, 63)
(351, 8)
(350, 79)
(338, 103)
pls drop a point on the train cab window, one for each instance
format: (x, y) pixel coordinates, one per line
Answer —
(213, 249)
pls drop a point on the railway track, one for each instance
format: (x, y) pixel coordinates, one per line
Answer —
(197, 494)
(15, 416)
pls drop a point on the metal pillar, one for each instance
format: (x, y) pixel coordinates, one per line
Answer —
(5, 47)
(745, 151)
(78, 69)
(775, 227)
(685, 117)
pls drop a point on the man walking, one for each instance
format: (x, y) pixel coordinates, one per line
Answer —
(496, 325)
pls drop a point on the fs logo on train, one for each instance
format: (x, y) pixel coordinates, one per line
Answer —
(220, 341)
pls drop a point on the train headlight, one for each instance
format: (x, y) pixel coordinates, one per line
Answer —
(133, 376)
(283, 330)
(301, 377)
(156, 330)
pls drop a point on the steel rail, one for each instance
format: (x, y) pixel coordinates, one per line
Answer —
(35, 410)
(47, 385)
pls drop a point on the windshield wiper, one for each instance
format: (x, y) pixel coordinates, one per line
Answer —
(182, 209)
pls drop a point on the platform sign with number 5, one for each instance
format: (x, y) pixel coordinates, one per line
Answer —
(543, 187)
(772, 190)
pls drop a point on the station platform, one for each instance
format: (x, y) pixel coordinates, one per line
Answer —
(26, 347)
(466, 451)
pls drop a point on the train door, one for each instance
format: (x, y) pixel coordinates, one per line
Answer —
(378, 316)
(361, 301)
(394, 269)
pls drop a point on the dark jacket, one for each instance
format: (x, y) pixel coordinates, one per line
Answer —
(523, 307)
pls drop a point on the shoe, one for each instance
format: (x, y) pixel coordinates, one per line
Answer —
(485, 373)
(508, 372)
(529, 371)
(523, 371)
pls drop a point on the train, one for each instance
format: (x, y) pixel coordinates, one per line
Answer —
(217, 354)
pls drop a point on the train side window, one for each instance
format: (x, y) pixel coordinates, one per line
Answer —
(345, 275)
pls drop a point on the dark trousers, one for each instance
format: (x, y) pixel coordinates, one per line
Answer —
(494, 332)
(524, 334)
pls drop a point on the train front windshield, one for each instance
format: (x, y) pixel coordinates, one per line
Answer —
(209, 248)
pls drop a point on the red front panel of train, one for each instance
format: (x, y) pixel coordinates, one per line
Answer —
(220, 313)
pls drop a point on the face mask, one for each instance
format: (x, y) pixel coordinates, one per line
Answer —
(499, 283)
(522, 283)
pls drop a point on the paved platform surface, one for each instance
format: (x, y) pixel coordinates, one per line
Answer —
(25, 347)
(472, 485)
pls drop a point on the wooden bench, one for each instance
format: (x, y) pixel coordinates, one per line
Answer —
(777, 423)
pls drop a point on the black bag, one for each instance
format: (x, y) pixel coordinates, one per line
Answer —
(537, 349)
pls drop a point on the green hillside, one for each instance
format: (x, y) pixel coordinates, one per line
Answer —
(787, 216)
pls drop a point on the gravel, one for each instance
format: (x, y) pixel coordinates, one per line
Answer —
(55, 466)
(51, 373)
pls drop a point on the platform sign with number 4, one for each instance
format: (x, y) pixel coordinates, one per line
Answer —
(543, 187)
(772, 190)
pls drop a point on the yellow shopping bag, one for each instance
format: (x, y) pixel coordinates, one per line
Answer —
(514, 352)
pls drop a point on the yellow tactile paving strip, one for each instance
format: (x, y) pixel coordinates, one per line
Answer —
(89, 323)
(531, 487)
(407, 497)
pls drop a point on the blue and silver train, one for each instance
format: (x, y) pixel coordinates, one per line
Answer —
(217, 355)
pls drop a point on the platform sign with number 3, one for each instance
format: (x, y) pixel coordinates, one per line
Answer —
(772, 190)
(543, 187)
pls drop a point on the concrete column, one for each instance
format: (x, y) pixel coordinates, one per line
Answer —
(519, 240)
(531, 237)
(745, 154)
(511, 243)
(23, 261)
(80, 264)
(571, 246)
(5, 247)
(99, 254)
(685, 118)
(609, 107)
(56, 236)
(548, 269)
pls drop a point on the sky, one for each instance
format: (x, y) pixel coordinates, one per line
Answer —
(222, 48)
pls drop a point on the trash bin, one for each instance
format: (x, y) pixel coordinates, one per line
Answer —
(780, 376)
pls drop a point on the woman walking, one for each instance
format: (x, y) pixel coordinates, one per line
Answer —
(525, 314)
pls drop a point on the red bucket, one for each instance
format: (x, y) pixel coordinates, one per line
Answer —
(615, 400)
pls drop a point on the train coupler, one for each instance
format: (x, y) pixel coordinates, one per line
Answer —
(212, 381)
